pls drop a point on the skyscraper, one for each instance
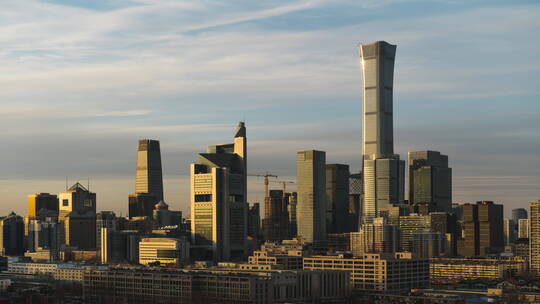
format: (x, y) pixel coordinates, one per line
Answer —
(39, 201)
(276, 217)
(482, 225)
(383, 170)
(378, 237)
(337, 198)
(311, 206)
(430, 180)
(534, 238)
(219, 200)
(11, 235)
(519, 213)
(148, 173)
(148, 179)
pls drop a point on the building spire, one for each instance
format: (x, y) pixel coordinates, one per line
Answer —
(240, 130)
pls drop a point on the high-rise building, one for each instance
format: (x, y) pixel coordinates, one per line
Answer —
(430, 180)
(426, 244)
(311, 206)
(411, 224)
(149, 178)
(104, 219)
(509, 231)
(276, 217)
(523, 228)
(39, 201)
(482, 229)
(534, 238)
(355, 202)
(519, 213)
(292, 198)
(254, 220)
(11, 235)
(77, 198)
(383, 171)
(219, 200)
(378, 237)
(43, 234)
(337, 198)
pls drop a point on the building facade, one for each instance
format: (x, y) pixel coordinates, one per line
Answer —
(534, 238)
(383, 171)
(39, 201)
(311, 206)
(165, 251)
(337, 198)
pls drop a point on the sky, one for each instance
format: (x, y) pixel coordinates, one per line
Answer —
(83, 80)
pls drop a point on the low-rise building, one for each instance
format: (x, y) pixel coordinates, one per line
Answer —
(163, 250)
(448, 270)
(376, 272)
(291, 260)
(33, 268)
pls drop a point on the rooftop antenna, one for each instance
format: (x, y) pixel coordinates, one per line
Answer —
(89, 184)
(66, 183)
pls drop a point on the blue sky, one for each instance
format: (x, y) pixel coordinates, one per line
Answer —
(83, 80)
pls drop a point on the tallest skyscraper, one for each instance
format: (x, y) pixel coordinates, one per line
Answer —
(383, 170)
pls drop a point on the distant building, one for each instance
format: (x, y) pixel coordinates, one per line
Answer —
(426, 244)
(163, 250)
(411, 224)
(523, 228)
(254, 220)
(378, 237)
(291, 209)
(337, 198)
(518, 214)
(534, 238)
(119, 246)
(454, 270)
(77, 198)
(44, 234)
(39, 201)
(104, 219)
(383, 171)
(355, 202)
(148, 179)
(275, 223)
(311, 207)
(509, 231)
(482, 225)
(430, 180)
(80, 230)
(397, 272)
(219, 200)
(11, 235)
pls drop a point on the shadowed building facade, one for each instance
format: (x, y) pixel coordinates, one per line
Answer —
(218, 200)
(383, 171)
(337, 198)
(39, 201)
(148, 179)
(430, 180)
(311, 206)
(276, 217)
(482, 225)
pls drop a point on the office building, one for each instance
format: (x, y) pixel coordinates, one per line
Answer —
(509, 231)
(219, 200)
(291, 209)
(80, 230)
(76, 198)
(519, 213)
(311, 206)
(534, 238)
(455, 270)
(411, 224)
(44, 234)
(254, 221)
(276, 218)
(119, 246)
(523, 228)
(337, 198)
(355, 202)
(39, 201)
(165, 251)
(378, 237)
(104, 219)
(397, 272)
(141, 204)
(430, 180)
(427, 244)
(148, 176)
(11, 235)
(383, 171)
(482, 229)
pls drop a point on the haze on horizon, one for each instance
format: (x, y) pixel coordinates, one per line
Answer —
(83, 80)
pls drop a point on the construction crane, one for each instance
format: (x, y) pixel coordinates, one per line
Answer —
(266, 181)
(284, 183)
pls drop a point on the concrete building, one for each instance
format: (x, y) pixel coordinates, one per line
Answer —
(377, 272)
(411, 224)
(523, 228)
(166, 251)
(509, 231)
(254, 221)
(104, 219)
(119, 246)
(519, 213)
(482, 229)
(453, 270)
(11, 235)
(378, 237)
(534, 238)
(426, 244)
(148, 179)
(355, 202)
(311, 206)
(80, 230)
(76, 198)
(292, 203)
(214, 286)
(44, 234)
(39, 201)
(383, 171)
(219, 200)
(337, 198)
(292, 260)
(430, 180)
(275, 223)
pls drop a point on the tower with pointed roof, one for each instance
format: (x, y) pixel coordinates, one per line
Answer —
(219, 199)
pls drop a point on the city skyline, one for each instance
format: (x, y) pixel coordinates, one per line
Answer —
(429, 98)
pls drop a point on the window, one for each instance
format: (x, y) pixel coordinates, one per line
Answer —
(203, 198)
(65, 202)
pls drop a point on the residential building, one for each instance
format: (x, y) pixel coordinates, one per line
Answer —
(337, 198)
(430, 180)
(377, 272)
(311, 206)
(219, 200)
(534, 238)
